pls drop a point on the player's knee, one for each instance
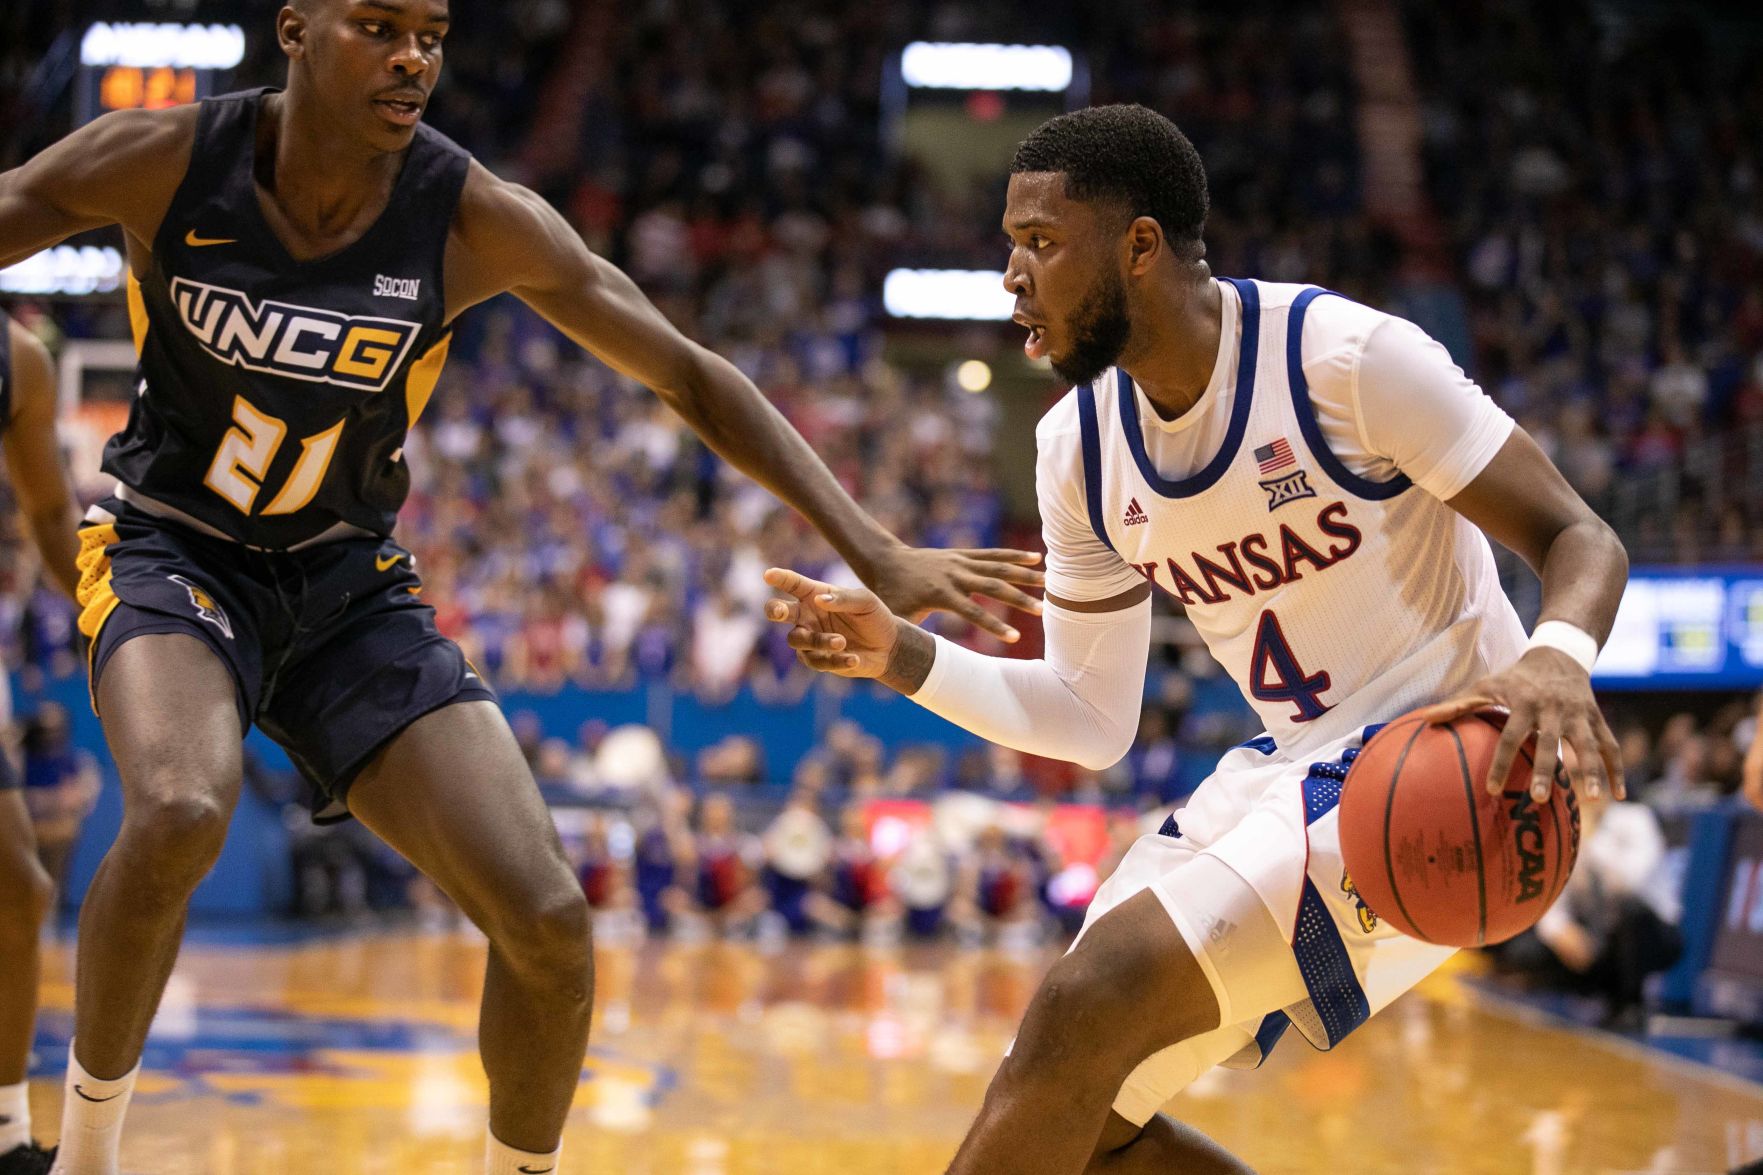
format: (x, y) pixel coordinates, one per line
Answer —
(555, 939)
(1118, 995)
(177, 836)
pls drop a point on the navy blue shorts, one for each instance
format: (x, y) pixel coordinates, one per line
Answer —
(331, 648)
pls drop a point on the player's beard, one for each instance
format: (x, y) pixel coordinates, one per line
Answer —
(1100, 329)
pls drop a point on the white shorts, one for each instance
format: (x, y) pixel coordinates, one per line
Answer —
(1259, 837)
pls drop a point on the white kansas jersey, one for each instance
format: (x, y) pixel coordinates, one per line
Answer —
(1336, 597)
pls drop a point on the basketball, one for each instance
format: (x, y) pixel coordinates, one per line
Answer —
(1437, 856)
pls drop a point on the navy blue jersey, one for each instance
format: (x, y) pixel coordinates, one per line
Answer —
(273, 394)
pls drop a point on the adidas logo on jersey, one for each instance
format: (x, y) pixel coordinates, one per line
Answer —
(1135, 513)
(299, 342)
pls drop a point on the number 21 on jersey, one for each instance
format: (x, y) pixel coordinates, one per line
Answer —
(245, 454)
(1276, 676)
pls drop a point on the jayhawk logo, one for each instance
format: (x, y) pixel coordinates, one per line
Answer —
(205, 606)
(1367, 920)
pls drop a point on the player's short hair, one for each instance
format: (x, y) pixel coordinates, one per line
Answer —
(1129, 156)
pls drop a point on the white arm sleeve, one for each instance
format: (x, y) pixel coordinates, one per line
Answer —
(1080, 703)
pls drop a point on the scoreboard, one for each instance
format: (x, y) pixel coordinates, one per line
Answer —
(1686, 628)
(152, 66)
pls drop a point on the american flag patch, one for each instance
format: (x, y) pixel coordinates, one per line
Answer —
(1276, 456)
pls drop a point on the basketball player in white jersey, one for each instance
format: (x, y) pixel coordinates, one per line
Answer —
(1313, 480)
(50, 513)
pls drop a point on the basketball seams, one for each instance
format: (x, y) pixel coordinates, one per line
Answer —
(1481, 872)
(1389, 863)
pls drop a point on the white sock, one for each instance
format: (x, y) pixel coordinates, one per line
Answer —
(15, 1115)
(91, 1120)
(502, 1159)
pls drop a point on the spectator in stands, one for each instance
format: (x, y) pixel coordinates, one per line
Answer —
(725, 893)
(1155, 760)
(61, 783)
(798, 847)
(663, 858)
(1686, 781)
(606, 881)
(923, 880)
(854, 900)
(998, 895)
(736, 761)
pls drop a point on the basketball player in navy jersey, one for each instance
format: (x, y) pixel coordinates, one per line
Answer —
(298, 257)
(1316, 482)
(51, 515)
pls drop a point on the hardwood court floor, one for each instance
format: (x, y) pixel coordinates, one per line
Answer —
(355, 1054)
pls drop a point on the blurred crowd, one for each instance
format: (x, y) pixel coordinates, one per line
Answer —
(1600, 178)
(1600, 217)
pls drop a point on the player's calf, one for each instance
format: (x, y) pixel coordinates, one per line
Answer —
(1131, 987)
(1162, 1145)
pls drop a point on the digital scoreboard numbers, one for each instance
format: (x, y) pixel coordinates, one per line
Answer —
(152, 66)
(132, 87)
(1686, 628)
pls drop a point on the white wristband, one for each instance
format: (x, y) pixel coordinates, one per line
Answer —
(1568, 638)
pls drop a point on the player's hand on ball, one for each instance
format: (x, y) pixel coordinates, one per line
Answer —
(913, 582)
(1547, 693)
(847, 631)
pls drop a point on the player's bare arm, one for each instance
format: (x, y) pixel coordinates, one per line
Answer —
(506, 239)
(1522, 502)
(39, 476)
(122, 169)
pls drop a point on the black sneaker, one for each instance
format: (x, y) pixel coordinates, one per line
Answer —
(27, 1159)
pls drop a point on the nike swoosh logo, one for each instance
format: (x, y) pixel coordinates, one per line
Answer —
(90, 1098)
(536, 1170)
(196, 242)
(381, 563)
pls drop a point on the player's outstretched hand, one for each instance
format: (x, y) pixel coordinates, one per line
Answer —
(1549, 694)
(847, 631)
(915, 581)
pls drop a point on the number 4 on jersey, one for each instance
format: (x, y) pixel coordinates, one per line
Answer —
(1276, 676)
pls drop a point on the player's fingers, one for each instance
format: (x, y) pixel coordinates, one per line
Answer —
(1610, 755)
(783, 611)
(1001, 555)
(794, 583)
(1585, 768)
(976, 615)
(845, 599)
(1008, 572)
(827, 662)
(808, 639)
(1440, 713)
(1002, 592)
(1518, 728)
(1548, 756)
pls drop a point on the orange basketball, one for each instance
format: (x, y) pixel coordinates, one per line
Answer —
(1432, 853)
